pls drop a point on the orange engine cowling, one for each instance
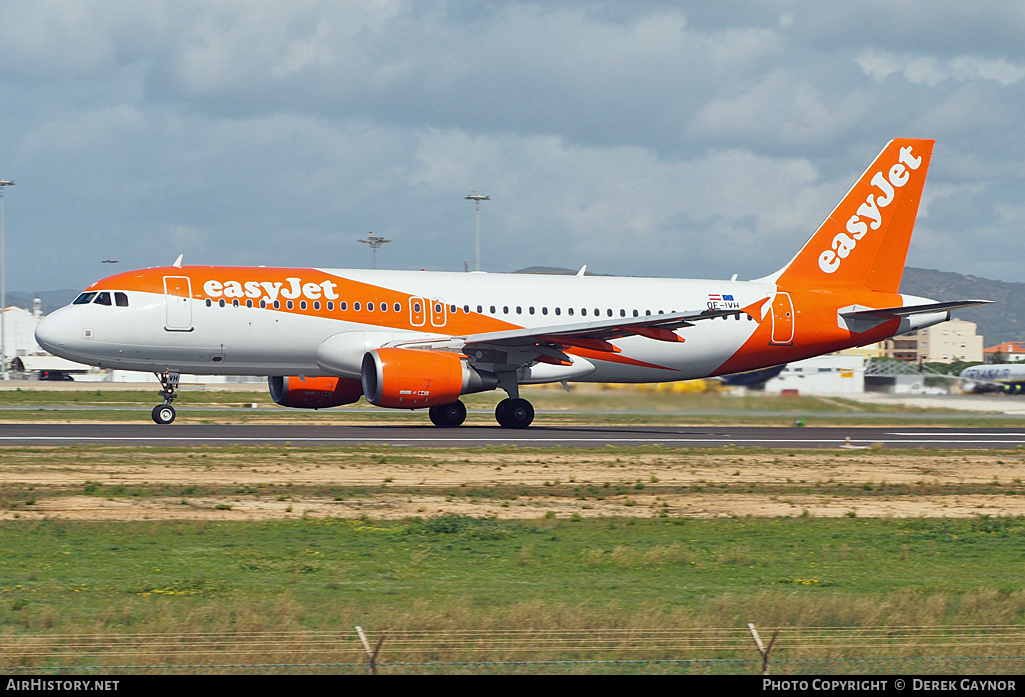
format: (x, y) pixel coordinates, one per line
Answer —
(411, 379)
(313, 393)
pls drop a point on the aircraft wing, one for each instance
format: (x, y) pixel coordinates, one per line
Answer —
(512, 349)
(594, 334)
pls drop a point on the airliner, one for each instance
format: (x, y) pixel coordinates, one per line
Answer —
(994, 377)
(421, 340)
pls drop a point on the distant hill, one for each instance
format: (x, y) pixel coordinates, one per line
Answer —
(556, 271)
(52, 299)
(1002, 321)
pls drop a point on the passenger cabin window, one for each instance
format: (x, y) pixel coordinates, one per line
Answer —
(84, 299)
(121, 299)
(102, 298)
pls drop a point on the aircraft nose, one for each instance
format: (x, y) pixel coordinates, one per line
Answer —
(51, 332)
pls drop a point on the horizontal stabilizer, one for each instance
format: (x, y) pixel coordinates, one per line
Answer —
(858, 312)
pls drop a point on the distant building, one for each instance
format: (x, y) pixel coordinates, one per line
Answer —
(876, 350)
(947, 342)
(1007, 352)
(20, 333)
(821, 375)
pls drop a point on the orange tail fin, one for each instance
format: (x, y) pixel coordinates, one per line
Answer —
(864, 241)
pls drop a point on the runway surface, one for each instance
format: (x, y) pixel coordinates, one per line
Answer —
(19, 434)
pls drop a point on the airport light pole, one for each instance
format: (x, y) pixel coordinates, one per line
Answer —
(3, 285)
(4, 183)
(375, 243)
(477, 198)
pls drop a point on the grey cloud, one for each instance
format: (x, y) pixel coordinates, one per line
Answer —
(659, 138)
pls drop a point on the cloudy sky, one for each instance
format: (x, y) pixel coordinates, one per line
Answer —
(640, 138)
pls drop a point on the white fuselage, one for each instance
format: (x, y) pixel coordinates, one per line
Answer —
(158, 332)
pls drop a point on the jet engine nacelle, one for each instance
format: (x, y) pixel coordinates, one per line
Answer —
(313, 393)
(412, 379)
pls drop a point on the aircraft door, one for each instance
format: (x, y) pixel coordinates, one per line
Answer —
(782, 319)
(178, 297)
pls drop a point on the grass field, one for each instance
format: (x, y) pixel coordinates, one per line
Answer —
(137, 592)
(462, 573)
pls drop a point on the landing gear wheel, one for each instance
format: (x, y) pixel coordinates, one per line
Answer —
(163, 414)
(448, 415)
(514, 413)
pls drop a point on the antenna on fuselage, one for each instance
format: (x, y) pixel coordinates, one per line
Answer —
(178, 262)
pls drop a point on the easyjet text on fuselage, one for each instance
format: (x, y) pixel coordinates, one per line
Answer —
(291, 289)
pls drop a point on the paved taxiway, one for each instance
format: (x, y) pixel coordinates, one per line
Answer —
(182, 435)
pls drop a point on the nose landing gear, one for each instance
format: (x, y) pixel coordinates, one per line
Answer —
(164, 413)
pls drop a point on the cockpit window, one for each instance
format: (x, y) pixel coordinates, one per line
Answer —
(102, 298)
(121, 299)
(84, 299)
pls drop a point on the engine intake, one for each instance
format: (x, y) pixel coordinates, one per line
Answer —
(411, 379)
(313, 393)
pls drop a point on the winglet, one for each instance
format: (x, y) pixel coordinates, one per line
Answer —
(754, 307)
(178, 262)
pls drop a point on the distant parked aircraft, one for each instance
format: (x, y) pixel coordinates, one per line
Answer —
(994, 377)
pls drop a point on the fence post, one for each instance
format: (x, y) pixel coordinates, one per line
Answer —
(762, 648)
(371, 653)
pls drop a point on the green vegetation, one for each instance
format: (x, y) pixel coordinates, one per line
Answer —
(66, 576)
(589, 405)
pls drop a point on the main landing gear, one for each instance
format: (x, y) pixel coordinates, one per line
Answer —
(514, 413)
(164, 413)
(448, 415)
(510, 413)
